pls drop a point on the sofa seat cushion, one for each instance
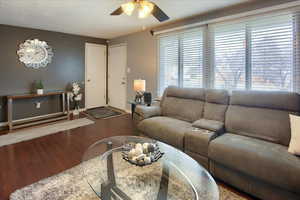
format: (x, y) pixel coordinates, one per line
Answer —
(211, 125)
(268, 162)
(197, 141)
(165, 129)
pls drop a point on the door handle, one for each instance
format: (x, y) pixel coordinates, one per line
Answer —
(123, 83)
(89, 80)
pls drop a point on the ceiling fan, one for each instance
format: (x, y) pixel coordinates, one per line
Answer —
(145, 8)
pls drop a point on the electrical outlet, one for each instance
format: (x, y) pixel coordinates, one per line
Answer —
(38, 105)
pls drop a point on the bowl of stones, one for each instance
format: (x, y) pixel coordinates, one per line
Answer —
(141, 154)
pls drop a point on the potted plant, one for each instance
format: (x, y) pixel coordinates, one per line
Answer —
(39, 87)
(76, 97)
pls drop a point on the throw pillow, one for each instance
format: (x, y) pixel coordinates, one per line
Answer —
(294, 147)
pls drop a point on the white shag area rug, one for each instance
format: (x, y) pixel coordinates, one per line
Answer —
(72, 184)
(28, 134)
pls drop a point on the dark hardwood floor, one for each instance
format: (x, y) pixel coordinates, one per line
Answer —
(27, 162)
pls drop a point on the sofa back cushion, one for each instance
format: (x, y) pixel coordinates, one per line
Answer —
(183, 103)
(263, 115)
(216, 103)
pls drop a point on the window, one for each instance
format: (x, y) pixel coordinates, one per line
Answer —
(168, 62)
(255, 55)
(272, 55)
(180, 60)
(192, 63)
(230, 59)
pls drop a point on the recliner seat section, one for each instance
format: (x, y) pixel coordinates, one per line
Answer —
(166, 129)
(178, 109)
(241, 139)
(255, 145)
(212, 124)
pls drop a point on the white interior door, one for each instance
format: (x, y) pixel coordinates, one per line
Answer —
(117, 62)
(95, 75)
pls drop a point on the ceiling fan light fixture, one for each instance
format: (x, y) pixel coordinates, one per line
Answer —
(145, 9)
(128, 8)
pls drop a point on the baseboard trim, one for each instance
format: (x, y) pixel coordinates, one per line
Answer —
(32, 118)
(3, 124)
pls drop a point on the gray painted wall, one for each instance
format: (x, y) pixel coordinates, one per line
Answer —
(142, 51)
(67, 66)
(141, 59)
(232, 10)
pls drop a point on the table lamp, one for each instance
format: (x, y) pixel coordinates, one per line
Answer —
(139, 86)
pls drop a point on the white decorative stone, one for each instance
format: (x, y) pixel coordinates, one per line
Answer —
(131, 153)
(134, 159)
(141, 157)
(145, 150)
(138, 151)
(147, 160)
(145, 145)
(138, 146)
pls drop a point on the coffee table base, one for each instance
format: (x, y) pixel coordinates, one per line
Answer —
(110, 188)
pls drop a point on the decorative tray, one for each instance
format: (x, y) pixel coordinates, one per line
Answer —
(141, 154)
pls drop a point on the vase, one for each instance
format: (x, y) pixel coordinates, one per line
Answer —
(76, 109)
(40, 91)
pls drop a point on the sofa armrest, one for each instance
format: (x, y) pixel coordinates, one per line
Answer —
(147, 111)
(211, 125)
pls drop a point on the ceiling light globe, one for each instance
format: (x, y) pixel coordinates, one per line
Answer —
(145, 9)
(128, 8)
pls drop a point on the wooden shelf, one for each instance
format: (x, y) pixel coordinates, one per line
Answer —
(33, 95)
(13, 124)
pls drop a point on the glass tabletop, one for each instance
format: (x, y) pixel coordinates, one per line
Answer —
(175, 176)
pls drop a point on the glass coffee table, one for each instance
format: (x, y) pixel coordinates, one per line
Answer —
(175, 176)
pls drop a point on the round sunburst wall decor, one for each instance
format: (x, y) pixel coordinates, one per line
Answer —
(35, 53)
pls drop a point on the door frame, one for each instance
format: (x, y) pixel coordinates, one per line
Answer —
(126, 68)
(104, 46)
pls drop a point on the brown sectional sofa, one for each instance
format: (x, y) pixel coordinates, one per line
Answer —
(241, 139)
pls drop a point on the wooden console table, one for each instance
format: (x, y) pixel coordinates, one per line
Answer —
(14, 124)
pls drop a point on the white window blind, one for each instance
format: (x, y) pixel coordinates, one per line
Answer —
(180, 60)
(256, 54)
(168, 62)
(272, 54)
(192, 62)
(296, 49)
(230, 60)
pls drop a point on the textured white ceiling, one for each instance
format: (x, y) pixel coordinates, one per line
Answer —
(91, 17)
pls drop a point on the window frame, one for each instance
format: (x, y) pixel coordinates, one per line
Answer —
(209, 56)
(180, 34)
(248, 53)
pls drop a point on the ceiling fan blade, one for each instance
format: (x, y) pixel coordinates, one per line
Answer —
(119, 11)
(159, 14)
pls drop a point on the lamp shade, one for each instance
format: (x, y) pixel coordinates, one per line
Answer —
(139, 85)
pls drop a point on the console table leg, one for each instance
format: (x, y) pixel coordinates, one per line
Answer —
(68, 105)
(10, 114)
(63, 102)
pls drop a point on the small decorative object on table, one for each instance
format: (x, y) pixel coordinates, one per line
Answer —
(39, 87)
(76, 96)
(147, 98)
(141, 154)
(139, 87)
